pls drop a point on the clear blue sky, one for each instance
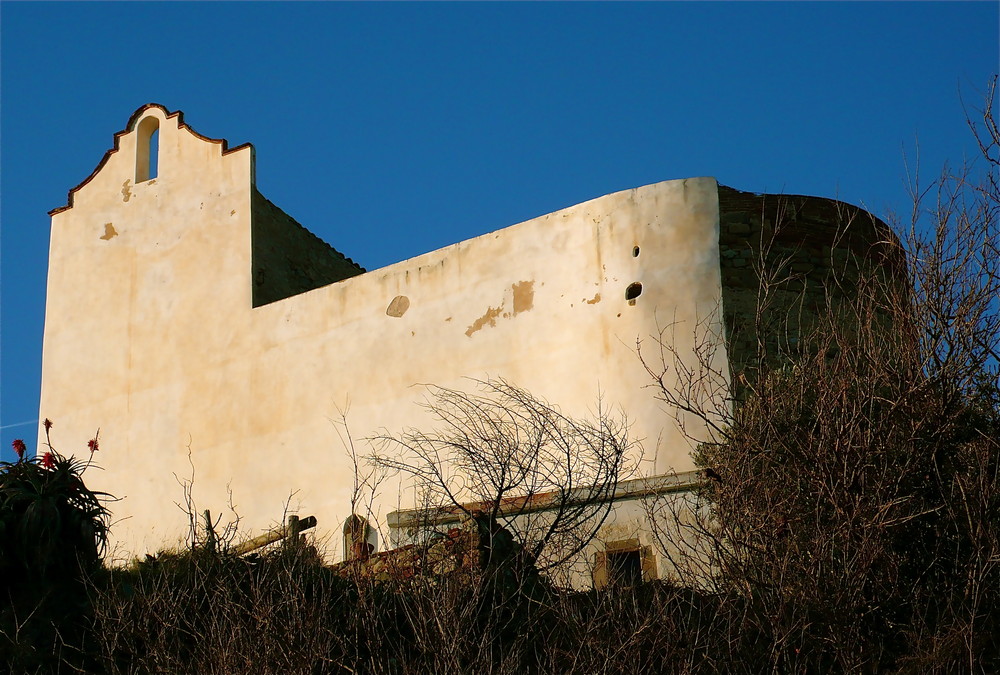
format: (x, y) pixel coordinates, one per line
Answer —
(394, 129)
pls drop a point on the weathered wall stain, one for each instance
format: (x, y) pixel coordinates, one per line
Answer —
(594, 300)
(126, 190)
(398, 306)
(490, 317)
(523, 300)
(109, 232)
(524, 296)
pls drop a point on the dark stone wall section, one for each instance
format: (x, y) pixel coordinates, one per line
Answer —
(815, 248)
(287, 258)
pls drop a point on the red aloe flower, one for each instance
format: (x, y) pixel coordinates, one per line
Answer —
(48, 461)
(19, 447)
(93, 445)
(47, 424)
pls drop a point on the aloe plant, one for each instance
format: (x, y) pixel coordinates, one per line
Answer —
(49, 519)
(53, 531)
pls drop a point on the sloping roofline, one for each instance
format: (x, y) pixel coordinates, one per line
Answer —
(129, 127)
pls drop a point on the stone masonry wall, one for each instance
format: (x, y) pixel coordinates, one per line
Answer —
(809, 247)
(288, 259)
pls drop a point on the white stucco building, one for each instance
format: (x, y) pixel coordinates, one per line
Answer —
(207, 334)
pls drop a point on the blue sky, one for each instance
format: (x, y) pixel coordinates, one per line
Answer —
(394, 129)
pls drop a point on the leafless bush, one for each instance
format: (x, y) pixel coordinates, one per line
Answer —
(498, 455)
(203, 611)
(849, 508)
(285, 612)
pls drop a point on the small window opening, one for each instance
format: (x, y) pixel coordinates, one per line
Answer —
(624, 563)
(154, 153)
(147, 149)
(633, 291)
(635, 252)
(624, 567)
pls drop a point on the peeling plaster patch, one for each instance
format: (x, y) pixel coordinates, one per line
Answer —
(524, 296)
(126, 190)
(490, 317)
(398, 306)
(596, 299)
(523, 300)
(233, 212)
(109, 232)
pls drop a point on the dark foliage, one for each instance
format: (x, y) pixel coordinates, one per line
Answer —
(52, 531)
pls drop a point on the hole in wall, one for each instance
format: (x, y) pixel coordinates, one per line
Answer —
(633, 291)
(635, 252)
(624, 567)
(154, 154)
(147, 149)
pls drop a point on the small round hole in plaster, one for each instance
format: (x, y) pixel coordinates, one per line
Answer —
(633, 291)
(635, 252)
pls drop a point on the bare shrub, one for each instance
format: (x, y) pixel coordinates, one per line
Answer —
(284, 612)
(497, 456)
(203, 611)
(849, 509)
